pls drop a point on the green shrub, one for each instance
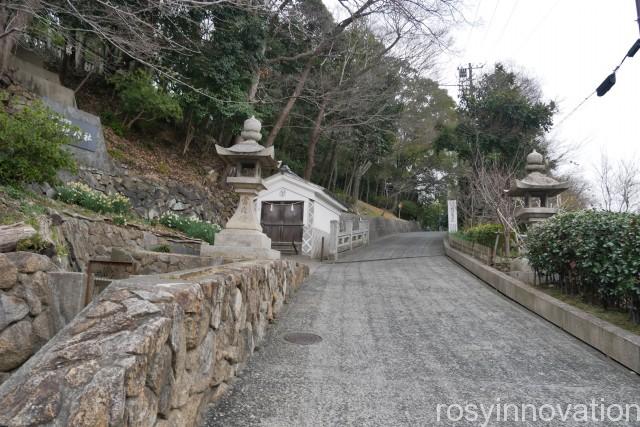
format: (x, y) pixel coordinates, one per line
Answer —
(434, 216)
(32, 145)
(14, 192)
(191, 227)
(594, 254)
(143, 99)
(484, 234)
(410, 210)
(82, 195)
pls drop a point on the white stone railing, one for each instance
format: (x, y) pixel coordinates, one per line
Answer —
(347, 234)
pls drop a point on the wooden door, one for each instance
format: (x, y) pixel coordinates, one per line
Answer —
(283, 221)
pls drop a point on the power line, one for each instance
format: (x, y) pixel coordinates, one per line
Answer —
(537, 26)
(475, 17)
(576, 108)
(513, 9)
(606, 84)
(493, 15)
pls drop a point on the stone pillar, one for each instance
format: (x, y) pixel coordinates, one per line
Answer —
(333, 239)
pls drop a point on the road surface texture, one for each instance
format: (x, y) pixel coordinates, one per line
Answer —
(403, 335)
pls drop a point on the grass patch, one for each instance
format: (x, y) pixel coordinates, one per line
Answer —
(164, 169)
(117, 154)
(34, 243)
(615, 317)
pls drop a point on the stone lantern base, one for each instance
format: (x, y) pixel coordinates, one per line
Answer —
(241, 244)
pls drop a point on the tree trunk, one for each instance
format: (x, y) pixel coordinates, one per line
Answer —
(188, 138)
(10, 235)
(507, 240)
(284, 114)
(135, 119)
(331, 184)
(79, 52)
(357, 178)
(11, 24)
(315, 137)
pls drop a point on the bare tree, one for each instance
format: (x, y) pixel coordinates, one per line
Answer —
(420, 24)
(490, 181)
(132, 30)
(619, 184)
(579, 194)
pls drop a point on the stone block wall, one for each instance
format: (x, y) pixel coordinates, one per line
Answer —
(151, 197)
(89, 238)
(151, 351)
(380, 227)
(29, 314)
(158, 263)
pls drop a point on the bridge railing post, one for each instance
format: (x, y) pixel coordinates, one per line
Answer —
(349, 231)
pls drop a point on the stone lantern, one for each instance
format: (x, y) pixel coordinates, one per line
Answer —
(536, 185)
(242, 237)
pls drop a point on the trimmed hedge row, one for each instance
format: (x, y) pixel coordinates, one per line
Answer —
(593, 254)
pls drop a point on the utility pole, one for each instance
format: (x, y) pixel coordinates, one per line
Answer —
(638, 9)
(465, 78)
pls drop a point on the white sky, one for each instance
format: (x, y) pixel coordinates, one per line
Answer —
(569, 47)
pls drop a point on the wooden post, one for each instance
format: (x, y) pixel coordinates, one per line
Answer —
(495, 249)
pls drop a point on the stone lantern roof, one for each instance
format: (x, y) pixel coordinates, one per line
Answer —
(248, 148)
(537, 182)
(537, 185)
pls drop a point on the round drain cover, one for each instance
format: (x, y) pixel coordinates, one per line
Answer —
(302, 338)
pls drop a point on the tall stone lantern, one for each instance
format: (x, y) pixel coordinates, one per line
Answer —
(536, 185)
(242, 237)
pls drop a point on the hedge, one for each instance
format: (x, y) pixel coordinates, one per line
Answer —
(593, 254)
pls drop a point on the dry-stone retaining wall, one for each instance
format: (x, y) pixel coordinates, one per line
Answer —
(29, 314)
(89, 238)
(151, 197)
(151, 351)
(148, 262)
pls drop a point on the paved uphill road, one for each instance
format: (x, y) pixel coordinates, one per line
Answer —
(401, 336)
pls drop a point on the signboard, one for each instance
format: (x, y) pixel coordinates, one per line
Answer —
(89, 125)
(453, 215)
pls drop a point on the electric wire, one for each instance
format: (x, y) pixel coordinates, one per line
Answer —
(475, 17)
(584, 101)
(539, 24)
(504, 28)
(493, 15)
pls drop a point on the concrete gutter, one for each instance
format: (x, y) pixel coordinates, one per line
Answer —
(615, 342)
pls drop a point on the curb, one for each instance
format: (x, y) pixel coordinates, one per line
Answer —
(615, 342)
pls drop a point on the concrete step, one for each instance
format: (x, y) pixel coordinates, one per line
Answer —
(286, 248)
